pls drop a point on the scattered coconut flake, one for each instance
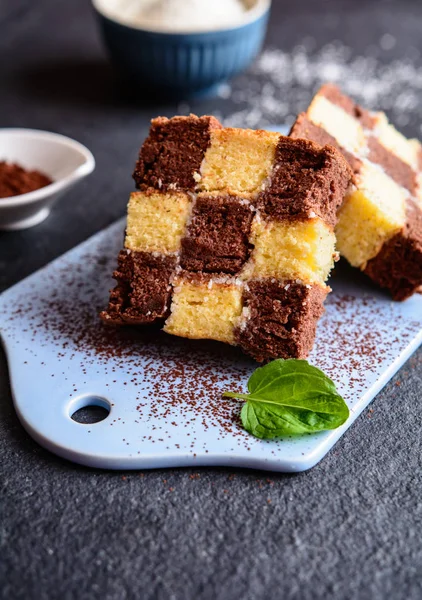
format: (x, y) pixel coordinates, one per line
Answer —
(281, 84)
(387, 41)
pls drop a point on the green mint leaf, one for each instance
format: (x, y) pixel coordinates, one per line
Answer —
(290, 397)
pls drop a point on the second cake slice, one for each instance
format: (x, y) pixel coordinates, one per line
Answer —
(230, 236)
(380, 222)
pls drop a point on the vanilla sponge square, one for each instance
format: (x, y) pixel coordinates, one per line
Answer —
(156, 221)
(370, 215)
(204, 309)
(238, 162)
(301, 250)
(344, 128)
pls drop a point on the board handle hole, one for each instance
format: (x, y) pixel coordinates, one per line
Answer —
(90, 409)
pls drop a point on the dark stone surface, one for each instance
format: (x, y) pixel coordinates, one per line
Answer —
(350, 528)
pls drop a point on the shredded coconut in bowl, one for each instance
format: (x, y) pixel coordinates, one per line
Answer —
(281, 84)
(177, 15)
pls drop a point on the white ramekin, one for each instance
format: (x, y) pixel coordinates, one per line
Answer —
(61, 158)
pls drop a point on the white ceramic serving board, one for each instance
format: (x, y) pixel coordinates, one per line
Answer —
(165, 392)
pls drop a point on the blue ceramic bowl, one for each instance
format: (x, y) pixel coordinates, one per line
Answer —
(183, 64)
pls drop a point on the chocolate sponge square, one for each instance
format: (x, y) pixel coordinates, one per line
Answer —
(307, 181)
(217, 236)
(143, 291)
(398, 265)
(173, 152)
(282, 318)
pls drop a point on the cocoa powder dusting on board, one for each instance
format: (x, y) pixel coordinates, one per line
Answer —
(170, 375)
(176, 384)
(15, 180)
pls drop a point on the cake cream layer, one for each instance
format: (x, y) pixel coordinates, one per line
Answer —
(229, 223)
(374, 226)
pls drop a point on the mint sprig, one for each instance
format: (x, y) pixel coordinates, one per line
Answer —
(290, 397)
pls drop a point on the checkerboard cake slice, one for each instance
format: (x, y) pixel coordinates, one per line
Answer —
(230, 236)
(379, 225)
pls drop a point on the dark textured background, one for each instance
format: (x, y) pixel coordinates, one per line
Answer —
(350, 528)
